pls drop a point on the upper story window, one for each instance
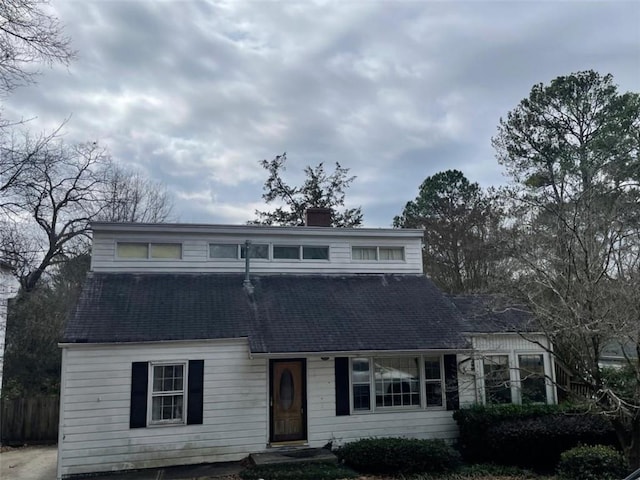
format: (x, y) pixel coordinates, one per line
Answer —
(149, 250)
(223, 250)
(256, 250)
(315, 253)
(383, 254)
(264, 252)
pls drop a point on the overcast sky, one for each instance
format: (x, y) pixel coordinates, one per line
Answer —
(196, 93)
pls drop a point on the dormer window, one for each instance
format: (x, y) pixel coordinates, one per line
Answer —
(223, 250)
(375, 254)
(149, 250)
(256, 250)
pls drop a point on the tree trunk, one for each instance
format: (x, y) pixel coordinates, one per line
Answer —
(628, 433)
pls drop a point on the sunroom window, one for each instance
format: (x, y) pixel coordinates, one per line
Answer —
(497, 384)
(532, 381)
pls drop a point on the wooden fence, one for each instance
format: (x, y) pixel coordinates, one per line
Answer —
(29, 420)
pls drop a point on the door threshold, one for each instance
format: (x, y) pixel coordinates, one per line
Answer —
(291, 443)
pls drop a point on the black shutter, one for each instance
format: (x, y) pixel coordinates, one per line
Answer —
(451, 382)
(194, 396)
(139, 382)
(342, 386)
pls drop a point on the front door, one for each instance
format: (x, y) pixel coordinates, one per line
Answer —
(288, 400)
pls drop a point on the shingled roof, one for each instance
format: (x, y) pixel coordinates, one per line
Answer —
(485, 313)
(283, 314)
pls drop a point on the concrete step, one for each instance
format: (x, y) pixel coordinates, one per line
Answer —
(284, 455)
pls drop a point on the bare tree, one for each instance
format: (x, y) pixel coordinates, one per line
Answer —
(58, 200)
(29, 35)
(572, 148)
(129, 196)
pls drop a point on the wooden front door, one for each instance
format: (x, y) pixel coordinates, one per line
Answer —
(288, 400)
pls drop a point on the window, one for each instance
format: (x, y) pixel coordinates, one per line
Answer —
(296, 252)
(383, 254)
(395, 382)
(391, 253)
(361, 382)
(256, 250)
(433, 381)
(532, 382)
(167, 393)
(315, 253)
(497, 383)
(286, 252)
(145, 250)
(364, 253)
(223, 250)
(166, 250)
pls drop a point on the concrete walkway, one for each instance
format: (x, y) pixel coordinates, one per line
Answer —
(29, 463)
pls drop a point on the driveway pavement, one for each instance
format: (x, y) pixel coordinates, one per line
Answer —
(29, 463)
(39, 463)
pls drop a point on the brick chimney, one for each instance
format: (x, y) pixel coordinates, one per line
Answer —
(317, 217)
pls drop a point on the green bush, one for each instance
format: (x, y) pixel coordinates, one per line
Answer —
(592, 463)
(399, 455)
(530, 436)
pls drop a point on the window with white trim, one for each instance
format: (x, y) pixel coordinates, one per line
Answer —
(167, 393)
(396, 382)
(300, 252)
(256, 250)
(377, 254)
(149, 250)
(497, 381)
(224, 250)
(434, 393)
(533, 387)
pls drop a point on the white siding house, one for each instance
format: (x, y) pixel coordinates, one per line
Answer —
(182, 352)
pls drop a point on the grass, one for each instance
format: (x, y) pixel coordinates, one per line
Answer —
(299, 471)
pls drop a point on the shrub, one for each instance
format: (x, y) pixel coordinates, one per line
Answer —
(531, 436)
(592, 463)
(399, 455)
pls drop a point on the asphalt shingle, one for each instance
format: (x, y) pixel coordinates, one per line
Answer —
(283, 314)
(485, 313)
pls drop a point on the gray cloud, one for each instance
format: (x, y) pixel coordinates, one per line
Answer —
(197, 92)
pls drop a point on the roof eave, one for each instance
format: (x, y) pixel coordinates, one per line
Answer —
(254, 229)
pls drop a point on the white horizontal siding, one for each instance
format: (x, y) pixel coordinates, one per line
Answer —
(96, 389)
(506, 342)
(195, 254)
(325, 426)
